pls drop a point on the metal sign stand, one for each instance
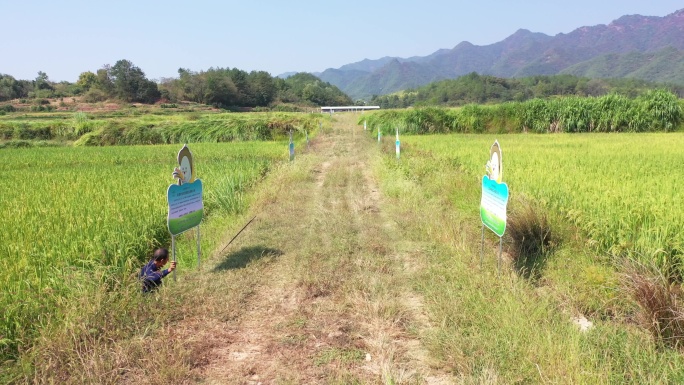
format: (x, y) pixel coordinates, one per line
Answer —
(492, 217)
(173, 252)
(173, 236)
(199, 249)
(482, 247)
(173, 242)
(498, 262)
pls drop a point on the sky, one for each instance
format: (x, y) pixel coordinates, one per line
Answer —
(64, 38)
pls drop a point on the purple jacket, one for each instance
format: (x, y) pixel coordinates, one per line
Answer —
(151, 276)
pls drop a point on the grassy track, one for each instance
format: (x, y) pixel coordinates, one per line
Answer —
(362, 270)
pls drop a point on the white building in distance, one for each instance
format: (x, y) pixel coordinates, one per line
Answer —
(348, 108)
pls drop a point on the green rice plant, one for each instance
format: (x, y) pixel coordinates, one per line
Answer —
(72, 213)
(620, 190)
(515, 328)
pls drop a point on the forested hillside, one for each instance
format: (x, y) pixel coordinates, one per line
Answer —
(219, 87)
(641, 47)
(483, 89)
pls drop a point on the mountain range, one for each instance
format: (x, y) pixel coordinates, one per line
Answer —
(644, 47)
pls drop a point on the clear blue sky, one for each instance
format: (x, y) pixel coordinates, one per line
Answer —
(65, 38)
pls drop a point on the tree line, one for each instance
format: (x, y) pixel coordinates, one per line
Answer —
(485, 89)
(220, 87)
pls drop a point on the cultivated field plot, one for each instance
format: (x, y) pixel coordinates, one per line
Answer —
(69, 213)
(623, 190)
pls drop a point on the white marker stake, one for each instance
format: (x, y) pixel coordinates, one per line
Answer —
(398, 145)
(379, 135)
(364, 125)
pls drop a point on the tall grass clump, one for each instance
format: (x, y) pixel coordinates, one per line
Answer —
(529, 235)
(659, 300)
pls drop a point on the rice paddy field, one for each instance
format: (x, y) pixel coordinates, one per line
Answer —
(622, 190)
(74, 218)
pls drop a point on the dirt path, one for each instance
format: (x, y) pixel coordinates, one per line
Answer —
(328, 300)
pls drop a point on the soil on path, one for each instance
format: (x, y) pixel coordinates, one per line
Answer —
(327, 299)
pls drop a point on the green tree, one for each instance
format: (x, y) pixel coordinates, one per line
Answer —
(87, 80)
(42, 82)
(104, 82)
(262, 86)
(219, 90)
(131, 85)
(10, 88)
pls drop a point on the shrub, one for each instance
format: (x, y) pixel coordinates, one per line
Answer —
(94, 95)
(7, 108)
(16, 144)
(82, 125)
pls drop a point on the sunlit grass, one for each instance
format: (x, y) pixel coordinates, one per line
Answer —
(622, 190)
(72, 214)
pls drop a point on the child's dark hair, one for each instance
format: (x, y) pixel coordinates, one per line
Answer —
(161, 254)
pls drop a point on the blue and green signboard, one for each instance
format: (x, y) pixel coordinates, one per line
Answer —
(494, 194)
(186, 207)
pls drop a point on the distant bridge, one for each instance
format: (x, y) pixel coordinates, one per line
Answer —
(348, 108)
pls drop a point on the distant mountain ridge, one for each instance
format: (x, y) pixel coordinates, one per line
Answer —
(644, 47)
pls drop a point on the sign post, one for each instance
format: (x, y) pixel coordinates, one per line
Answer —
(494, 199)
(292, 152)
(186, 207)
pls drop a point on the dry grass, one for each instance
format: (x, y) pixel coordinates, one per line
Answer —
(529, 236)
(660, 309)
